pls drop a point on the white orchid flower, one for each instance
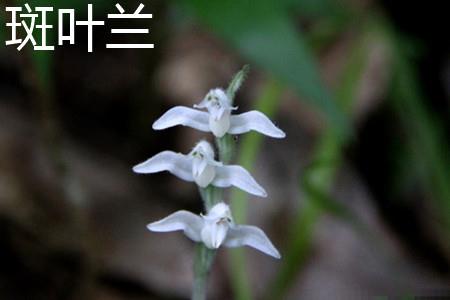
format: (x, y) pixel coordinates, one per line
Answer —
(215, 229)
(218, 119)
(199, 166)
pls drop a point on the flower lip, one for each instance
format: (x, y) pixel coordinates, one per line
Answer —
(203, 163)
(216, 225)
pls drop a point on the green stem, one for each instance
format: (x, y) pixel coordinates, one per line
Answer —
(226, 148)
(204, 257)
(210, 196)
(203, 260)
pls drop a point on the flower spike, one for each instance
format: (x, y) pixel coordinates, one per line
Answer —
(199, 166)
(215, 229)
(218, 119)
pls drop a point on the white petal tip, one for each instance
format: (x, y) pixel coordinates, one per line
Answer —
(261, 193)
(277, 255)
(157, 126)
(150, 227)
(137, 169)
(279, 135)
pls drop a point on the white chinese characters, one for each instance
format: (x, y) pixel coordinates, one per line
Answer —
(136, 15)
(29, 26)
(38, 20)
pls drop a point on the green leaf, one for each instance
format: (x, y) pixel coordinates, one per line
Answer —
(319, 176)
(317, 8)
(266, 36)
(425, 136)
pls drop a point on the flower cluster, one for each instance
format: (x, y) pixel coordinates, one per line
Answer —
(216, 228)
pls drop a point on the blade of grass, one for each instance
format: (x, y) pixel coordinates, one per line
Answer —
(319, 176)
(424, 133)
(249, 149)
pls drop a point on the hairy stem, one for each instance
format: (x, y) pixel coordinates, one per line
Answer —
(210, 196)
(225, 146)
(204, 257)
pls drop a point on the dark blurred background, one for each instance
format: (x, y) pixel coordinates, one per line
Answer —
(359, 191)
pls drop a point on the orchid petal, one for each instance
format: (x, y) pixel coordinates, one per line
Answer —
(217, 113)
(205, 148)
(252, 236)
(239, 177)
(180, 115)
(219, 127)
(204, 178)
(190, 223)
(254, 120)
(202, 104)
(214, 233)
(218, 211)
(199, 165)
(178, 164)
(214, 163)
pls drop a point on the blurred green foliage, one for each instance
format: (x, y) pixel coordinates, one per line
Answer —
(318, 178)
(250, 146)
(267, 36)
(425, 137)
